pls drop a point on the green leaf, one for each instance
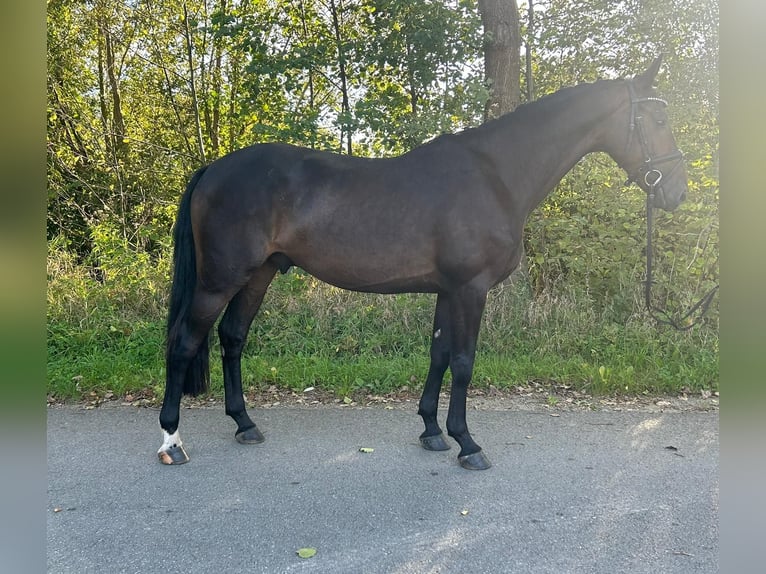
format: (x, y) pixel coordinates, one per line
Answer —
(306, 552)
(366, 449)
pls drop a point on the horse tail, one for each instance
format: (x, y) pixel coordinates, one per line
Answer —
(197, 378)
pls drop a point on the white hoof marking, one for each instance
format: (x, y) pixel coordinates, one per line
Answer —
(170, 441)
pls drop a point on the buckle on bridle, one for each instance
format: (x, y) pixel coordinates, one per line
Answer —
(653, 173)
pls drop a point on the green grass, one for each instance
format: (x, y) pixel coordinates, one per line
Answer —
(109, 337)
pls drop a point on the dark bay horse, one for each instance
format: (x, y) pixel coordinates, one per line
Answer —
(445, 218)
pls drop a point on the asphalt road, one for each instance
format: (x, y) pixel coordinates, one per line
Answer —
(583, 492)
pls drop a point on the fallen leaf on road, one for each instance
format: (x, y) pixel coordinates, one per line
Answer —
(306, 552)
(366, 449)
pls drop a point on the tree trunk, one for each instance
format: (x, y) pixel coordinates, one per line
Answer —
(158, 56)
(234, 77)
(345, 107)
(212, 95)
(411, 79)
(502, 42)
(310, 71)
(192, 84)
(502, 72)
(119, 147)
(528, 50)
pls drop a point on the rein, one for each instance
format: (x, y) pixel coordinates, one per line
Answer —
(652, 176)
(660, 315)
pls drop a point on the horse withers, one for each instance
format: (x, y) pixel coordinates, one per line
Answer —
(444, 218)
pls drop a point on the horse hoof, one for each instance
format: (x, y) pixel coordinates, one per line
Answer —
(173, 455)
(435, 442)
(474, 461)
(249, 436)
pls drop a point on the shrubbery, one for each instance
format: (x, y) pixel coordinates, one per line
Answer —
(125, 128)
(106, 332)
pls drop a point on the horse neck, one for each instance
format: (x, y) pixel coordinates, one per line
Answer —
(534, 147)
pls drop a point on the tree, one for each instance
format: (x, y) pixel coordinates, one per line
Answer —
(420, 72)
(345, 110)
(502, 41)
(141, 93)
(590, 230)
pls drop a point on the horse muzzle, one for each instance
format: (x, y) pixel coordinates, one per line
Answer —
(666, 188)
(669, 191)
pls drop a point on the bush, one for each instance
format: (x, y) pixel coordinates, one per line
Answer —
(106, 333)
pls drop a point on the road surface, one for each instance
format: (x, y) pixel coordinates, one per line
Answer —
(582, 492)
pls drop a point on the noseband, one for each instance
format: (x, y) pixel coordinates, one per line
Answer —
(649, 171)
(653, 176)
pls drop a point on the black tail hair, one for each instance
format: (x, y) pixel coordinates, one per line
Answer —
(197, 378)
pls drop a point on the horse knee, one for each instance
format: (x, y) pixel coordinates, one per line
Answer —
(461, 366)
(439, 358)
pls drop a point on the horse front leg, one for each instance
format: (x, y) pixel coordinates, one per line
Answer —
(232, 332)
(466, 308)
(432, 437)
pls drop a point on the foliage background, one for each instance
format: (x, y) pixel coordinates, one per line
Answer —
(140, 93)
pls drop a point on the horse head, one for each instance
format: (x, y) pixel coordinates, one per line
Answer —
(650, 155)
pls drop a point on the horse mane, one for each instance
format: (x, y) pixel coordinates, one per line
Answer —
(528, 110)
(554, 99)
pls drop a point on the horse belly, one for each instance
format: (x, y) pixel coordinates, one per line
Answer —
(360, 268)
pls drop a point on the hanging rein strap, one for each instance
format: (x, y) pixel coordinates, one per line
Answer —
(652, 177)
(660, 315)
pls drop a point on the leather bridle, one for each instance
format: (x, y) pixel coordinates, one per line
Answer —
(649, 171)
(652, 176)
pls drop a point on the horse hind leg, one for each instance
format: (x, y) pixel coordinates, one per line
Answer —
(232, 331)
(186, 341)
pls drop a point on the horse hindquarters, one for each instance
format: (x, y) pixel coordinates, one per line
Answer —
(192, 312)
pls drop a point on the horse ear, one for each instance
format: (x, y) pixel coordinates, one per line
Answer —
(646, 79)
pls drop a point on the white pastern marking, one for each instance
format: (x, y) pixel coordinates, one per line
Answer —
(170, 440)
(437, 333)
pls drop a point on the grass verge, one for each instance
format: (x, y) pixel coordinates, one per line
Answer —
(107, 336)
